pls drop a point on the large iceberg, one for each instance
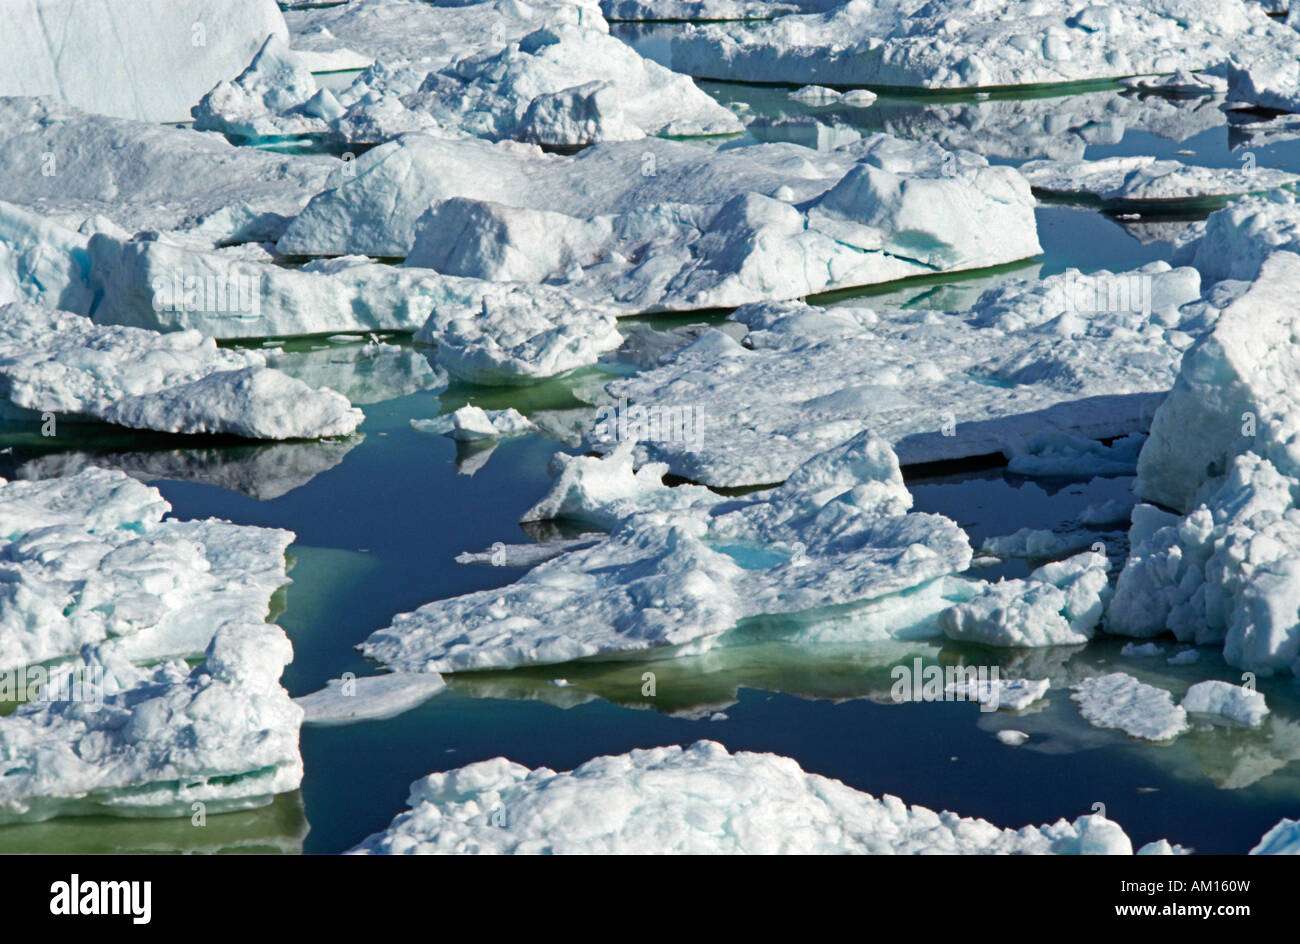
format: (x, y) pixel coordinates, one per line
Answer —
(559, 86)
(146, 59)
(1089, 355)
(697, 800)
(1236, 392)
(121, 740)
(948, 44)
(90, 559)
(667, 582)
(661, 225)
(60, 363)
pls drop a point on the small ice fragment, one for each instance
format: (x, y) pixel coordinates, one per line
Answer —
(1233, 702)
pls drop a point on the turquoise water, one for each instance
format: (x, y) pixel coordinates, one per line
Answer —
(382, 517)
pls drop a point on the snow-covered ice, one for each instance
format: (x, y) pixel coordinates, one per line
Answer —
(369, 698)
(1118, 700)
(559, 86)
(671, 582)
(1226, 574)
(696, 800)
(946, 44)
(81, 170)
(154, 741)
(662, 225)
(1282, 839)
(1032, 357)
(355, 34)
(89, 559)
(1236, 392)
(1233, 702)
(1059, 604)
(1237, 239)
(58, 362)
(1121, 182)
(1012, 694)
(146, 59)
(472, 424)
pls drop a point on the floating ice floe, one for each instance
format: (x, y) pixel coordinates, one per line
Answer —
(1236, 240)
(662, 225)
(1037, 543)
(1144, 182)
(1282, 839)
(1236, 392)
(146, 59)
(1266, 79)
(501, 554)
(81, 170)
(1060, 454)
(474, 424)
(1012, 694)
(820, 95)
(154, 741)
(1233, 702)
(57, 362)
(697, 800)
(1182, 83)
(89, 559)
(710, 11)
(1059, 604)
(1089, 356)
(671, 582)
(1228, 573)
(487, 332)
(1012, 738)
(560, 86)
(354, 34)
(370, 698)
(1118, 700)
(947, 44)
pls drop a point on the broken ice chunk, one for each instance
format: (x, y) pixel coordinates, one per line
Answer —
(474, 424)
(1118, 700)
(677, 581)
(370, 698)
(1233, 702)
(696, 800)
(58, 362)
(1059, 604)
(89, 558)
(156, 741)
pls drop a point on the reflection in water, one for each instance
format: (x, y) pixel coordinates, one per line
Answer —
(279, 827)
(259, 470)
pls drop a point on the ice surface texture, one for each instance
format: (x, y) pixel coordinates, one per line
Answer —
(697, 800)
(223, 734)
